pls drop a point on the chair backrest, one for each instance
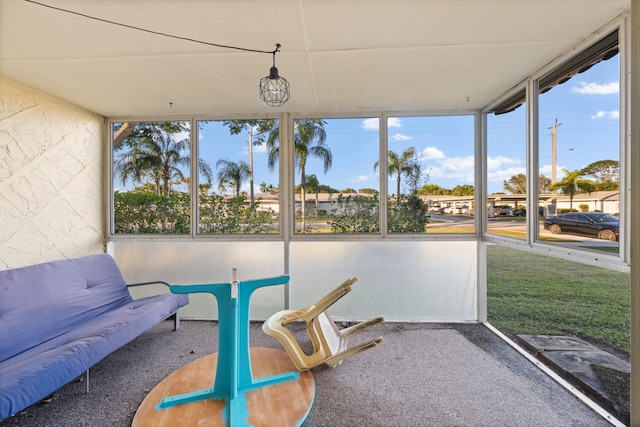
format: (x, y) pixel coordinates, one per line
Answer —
(274, 327)
(327, 333)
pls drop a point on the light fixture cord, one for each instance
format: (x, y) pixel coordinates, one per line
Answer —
(274, 53)
(156, 32)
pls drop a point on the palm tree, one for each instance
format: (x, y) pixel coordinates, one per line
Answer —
(309, 138)
(204, 188)
(232, 173)
(159, 158)
(313, 185)
(571, 185)
(254, 128)
(400, 165)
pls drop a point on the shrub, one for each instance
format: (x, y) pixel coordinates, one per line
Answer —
(148, 213)
(407, 215)
(356, 214)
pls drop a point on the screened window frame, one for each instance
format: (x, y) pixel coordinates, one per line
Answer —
(529, 90)
(287, 180)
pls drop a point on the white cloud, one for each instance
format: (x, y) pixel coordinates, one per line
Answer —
(457, 167)
(394, 122)
(374, 124)
(501, 168)
(462, 168)
(594, 88)
(494, 163)
(432, 153)
(614, 115)
(245, 187)
(259, 149)
(435, 172)
(401, 137)
(545, 170)
(504, 174)
(362, 178)
(371, 124)
(181, 135)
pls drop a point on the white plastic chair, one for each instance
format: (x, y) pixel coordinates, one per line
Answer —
(329, 341)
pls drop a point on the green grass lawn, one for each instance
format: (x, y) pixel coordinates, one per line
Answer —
(541, 295)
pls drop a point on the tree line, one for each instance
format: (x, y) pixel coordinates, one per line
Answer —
(149, 155)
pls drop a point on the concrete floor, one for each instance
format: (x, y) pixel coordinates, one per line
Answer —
(421, 375)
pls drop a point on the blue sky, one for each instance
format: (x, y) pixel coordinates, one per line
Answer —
(445, 144)
(586, 108)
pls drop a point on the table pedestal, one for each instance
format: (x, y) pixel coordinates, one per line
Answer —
(226, 383)
(284, 404)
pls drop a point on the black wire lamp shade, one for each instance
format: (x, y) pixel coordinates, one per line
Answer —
(274, 89)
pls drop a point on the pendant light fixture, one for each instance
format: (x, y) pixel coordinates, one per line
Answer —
(274, 89)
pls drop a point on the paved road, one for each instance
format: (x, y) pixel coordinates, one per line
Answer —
(446, 221)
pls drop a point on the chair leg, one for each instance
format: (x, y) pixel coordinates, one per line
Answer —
(328, 300)
(360, 326)
(338, 358)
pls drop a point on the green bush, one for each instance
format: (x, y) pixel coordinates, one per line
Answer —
(360, 214)
(221, 215)
(148, 213)
(407, 215)
(356, 214)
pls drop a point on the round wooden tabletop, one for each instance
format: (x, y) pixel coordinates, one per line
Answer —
(283, 404)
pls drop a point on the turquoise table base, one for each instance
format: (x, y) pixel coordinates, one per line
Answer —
(233, 371)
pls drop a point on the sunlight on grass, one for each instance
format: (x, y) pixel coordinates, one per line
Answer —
(450, 230)
(518, 234)
(534, 294)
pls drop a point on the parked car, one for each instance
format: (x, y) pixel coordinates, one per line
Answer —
(523, 211)
(457, 209)
(503, 210)
(593, 224)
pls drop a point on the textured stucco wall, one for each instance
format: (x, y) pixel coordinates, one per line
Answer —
(51, 185)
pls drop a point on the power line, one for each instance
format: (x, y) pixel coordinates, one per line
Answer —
(150, 31)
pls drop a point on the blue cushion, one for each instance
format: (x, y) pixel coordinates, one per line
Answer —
(40, 302)
(32, 369)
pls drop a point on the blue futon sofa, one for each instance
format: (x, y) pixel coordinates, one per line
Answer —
(60, 318)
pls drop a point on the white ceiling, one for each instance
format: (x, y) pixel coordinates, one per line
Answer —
(340, 56)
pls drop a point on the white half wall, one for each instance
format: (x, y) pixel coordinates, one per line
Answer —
(189, 262)
(432, 281)
(51, 180)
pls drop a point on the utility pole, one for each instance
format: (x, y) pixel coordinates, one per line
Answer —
(250, 132)
(554, 155)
